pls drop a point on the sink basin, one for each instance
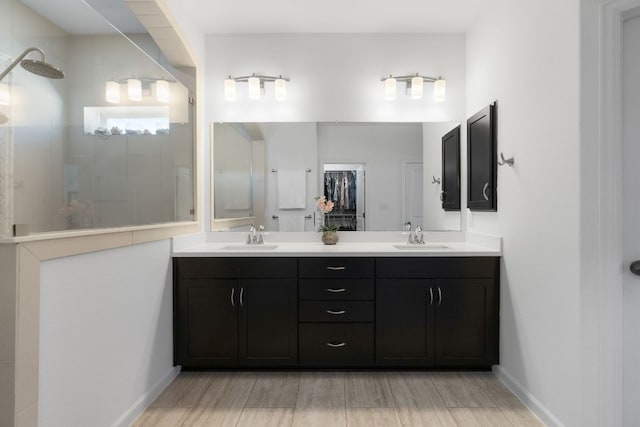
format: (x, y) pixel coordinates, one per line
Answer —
(427, 246)
(245, 247)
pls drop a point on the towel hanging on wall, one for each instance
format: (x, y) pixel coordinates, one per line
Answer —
(292, 188)
(290, 222)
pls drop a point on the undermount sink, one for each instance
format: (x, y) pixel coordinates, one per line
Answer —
(245, 247)
(426, 246)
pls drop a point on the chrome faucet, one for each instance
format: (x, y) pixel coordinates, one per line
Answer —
(255, 237)
(416, 237)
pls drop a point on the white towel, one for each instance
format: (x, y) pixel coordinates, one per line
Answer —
(292, 188)
(291, 223)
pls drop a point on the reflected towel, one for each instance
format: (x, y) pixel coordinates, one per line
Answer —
(292, 189)
(291, 223)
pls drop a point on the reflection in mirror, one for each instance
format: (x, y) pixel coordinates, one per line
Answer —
(233, 159)
(401, 163)
(74, 158)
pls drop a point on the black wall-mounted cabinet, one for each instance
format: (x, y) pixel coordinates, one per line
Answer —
(451, 170)
(482, 158)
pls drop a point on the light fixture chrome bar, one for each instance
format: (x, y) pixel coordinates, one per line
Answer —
(259, 76)
(408, 78)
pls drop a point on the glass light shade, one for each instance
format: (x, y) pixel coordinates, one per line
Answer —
(5, 96)
(390, 89)
(281, 89)
(134, 90)
(229, 89)
(254, 87)
(162, 91)
(112, 92)
(439, 90)
(416, 87)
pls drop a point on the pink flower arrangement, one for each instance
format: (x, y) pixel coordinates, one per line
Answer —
(324, 205)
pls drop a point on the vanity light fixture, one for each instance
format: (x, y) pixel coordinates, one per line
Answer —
(137, 87)
(112, 92)
(5, 95)
(134, 89)
(162, 91)
(256, 86)
(414, 86)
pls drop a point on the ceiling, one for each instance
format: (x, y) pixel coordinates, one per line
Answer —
(277, 16)
(333, 16)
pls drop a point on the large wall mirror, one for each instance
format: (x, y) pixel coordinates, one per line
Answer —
(379, 176)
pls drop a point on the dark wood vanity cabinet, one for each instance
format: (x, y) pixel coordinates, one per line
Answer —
(336, 312)
(235, 312)
(439, 312)
(327, 312)
(482, 170)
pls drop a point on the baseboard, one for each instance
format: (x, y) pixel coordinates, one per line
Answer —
(145, 400)
(530, 402)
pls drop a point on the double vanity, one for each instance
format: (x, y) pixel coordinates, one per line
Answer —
(358, 304)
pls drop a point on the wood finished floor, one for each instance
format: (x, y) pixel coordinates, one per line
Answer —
(336, 399)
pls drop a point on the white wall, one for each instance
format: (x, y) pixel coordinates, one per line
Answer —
(105, 333)
(525, 55)
(334, 76)
(382, 148)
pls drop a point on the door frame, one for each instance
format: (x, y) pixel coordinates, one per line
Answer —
(601, 208)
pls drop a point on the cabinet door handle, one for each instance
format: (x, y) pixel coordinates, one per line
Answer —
(439, 296)
(336, 268)
(430, 296)
(241, 294)
(484, 191)
(233, 291)
(336, 312)
(335, 291)
(336, 345)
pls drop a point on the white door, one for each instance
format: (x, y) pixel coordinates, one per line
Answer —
(631, 224)
(412, 194)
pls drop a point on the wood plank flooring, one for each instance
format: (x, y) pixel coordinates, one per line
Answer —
(337, 399)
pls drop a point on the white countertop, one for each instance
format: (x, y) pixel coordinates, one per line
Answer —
(455, 247)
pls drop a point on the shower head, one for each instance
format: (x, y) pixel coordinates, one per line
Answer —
(40, 68)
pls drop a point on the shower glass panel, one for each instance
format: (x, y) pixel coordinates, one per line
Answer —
(68, 158)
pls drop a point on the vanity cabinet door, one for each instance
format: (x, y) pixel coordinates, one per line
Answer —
(466, 324)
(451, 170)
(404, 322)
(206, 323)
(268, 322)
(482, 157)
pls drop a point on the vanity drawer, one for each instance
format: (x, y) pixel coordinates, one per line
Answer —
(337, 289)
(245, 268)
(336, 267)
(336, 344)
(336, 311)
(437, 267)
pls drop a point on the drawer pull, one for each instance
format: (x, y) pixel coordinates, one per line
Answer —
(336, 268)
(336, 312)
(336, 345)
(335, 291)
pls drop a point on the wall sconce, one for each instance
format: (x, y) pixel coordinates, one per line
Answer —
(5, 95)
(415, 86)
(136, 88)
(256, 86)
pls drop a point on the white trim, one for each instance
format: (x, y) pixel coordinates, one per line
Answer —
(145, 400)
(527, 398)
(607, 301)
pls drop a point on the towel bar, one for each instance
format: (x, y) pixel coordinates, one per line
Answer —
(274, 217)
